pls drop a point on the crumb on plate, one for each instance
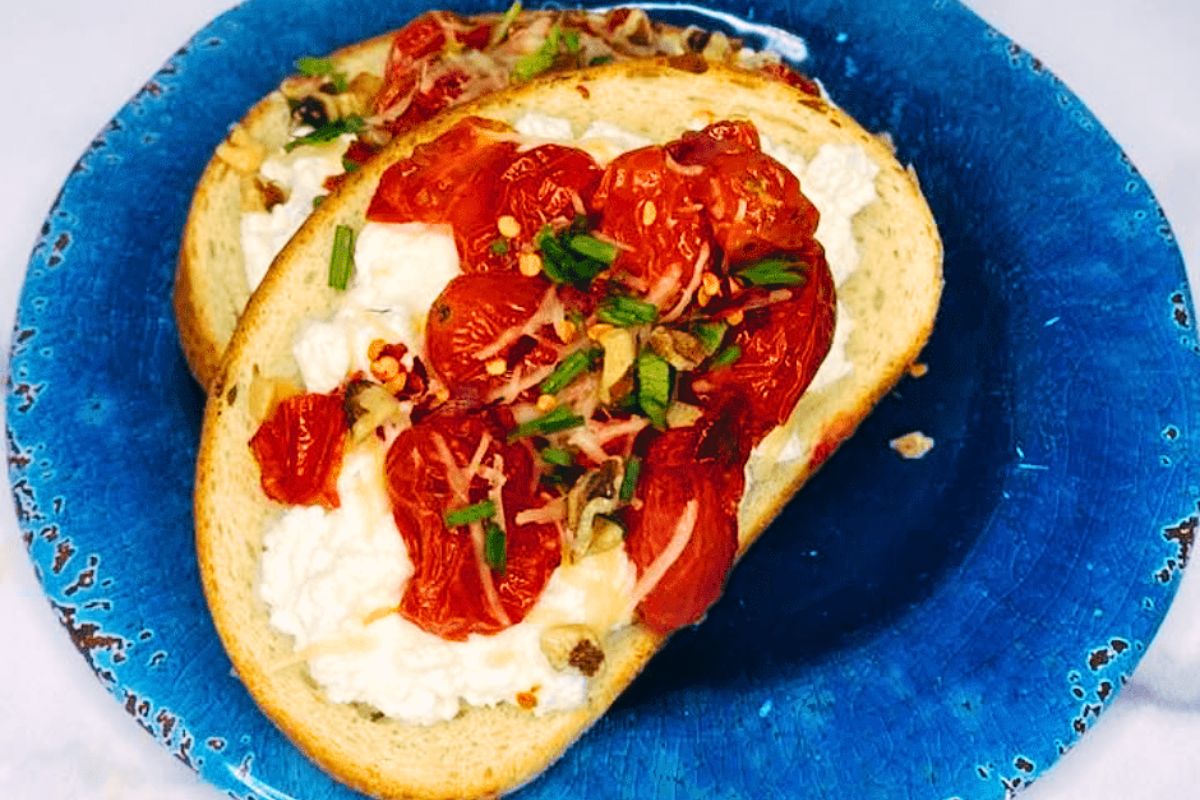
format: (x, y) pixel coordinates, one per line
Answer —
(912, 445)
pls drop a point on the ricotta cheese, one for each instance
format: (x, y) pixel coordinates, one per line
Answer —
(301, 174)
(399, 270)
(840, 182)
(332, 579)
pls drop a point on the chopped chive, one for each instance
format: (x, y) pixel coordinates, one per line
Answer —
(314, 67)
(468, 514)
(569, 369)
(774, 272)
(560, 419)
(727, 356)
(633, 468)
(495, 547)
(654, 386)
(341, 262)
(323, 67)
(571, 41)
(540, 60)
(564, 265)
(598, 60)
(350, 166)
(500, 32)
(558, 457)
(328, 132)
(710, 334)
(626, 312)
(318, 200)
(499, 247)
(593, 248)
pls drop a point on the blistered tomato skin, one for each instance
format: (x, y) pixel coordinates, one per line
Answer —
(445, 595)
(471, 314)
(419, 39)
(753, 202)
(469, 179)
(650, 208)
(545, 185)
(695, 580)
(447, 181)
(782, 347)
(299, 449)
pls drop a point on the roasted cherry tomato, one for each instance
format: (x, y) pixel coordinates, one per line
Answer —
(471, 316)
(694, 581)
(299, 449)
(752, 201)
(548, 184)
(446, 595)
(784, 73)
(647, 204)
(451, 180)
(420, 38)
(782, 346)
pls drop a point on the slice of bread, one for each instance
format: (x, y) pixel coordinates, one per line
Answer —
(892, 297)
(210, 278)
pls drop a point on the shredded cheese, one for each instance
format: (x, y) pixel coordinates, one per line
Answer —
(670, 554)
(689, 290)
(544, 315)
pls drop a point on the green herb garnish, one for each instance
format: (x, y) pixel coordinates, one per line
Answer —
(560, 419)
(633, 468)
(727, 356)
(541, 59)
(558, 457)
(571, 41)
(328, 132)
(322, 68)
(314, 67)
(500, 32)
(468, 514)
(341, 262)
(495, 546)
(598, 60)
(318, 200)
(626, 312)
(562, 263)
(593, 248)
(569, 369)
(654, 386)
(499, 247)
(774, 272)
(710, 334)
(350, 166)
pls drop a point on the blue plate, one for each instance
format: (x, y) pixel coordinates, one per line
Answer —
(930, 629)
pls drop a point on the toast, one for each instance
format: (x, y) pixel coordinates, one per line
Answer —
(212, 283)
(483, 751)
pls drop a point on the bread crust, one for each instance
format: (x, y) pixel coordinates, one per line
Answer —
(893, 297)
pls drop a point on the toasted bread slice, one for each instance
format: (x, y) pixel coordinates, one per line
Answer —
(210, 278)
(892, 296)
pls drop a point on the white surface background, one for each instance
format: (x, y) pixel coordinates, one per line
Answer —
(69, 65)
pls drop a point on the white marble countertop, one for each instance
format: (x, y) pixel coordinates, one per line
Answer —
(70, 64)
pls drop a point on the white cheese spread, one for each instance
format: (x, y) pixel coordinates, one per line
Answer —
(399, 270)
(301, 174)
(840, 182)
(331, 579)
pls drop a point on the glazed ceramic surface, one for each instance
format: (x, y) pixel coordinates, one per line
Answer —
(936, 628)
